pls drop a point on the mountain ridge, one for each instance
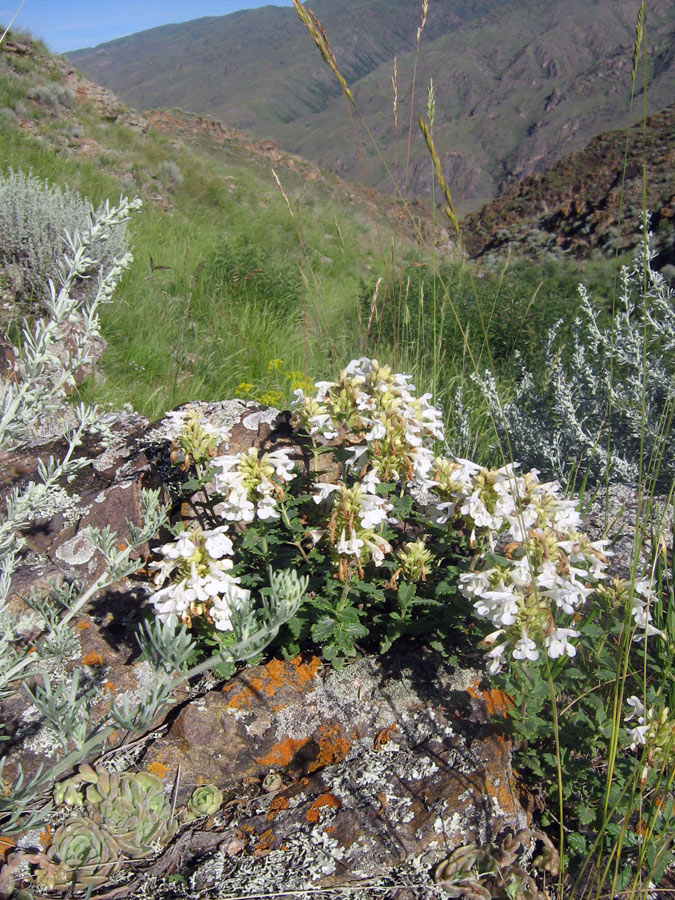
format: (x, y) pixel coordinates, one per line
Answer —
(517, 84)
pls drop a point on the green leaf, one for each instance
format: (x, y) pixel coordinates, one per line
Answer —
(323, 630)
(576, 843)
(586, 815)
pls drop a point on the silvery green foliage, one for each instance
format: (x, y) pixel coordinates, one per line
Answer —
(611, 399)
(33, 216)
(41, 378)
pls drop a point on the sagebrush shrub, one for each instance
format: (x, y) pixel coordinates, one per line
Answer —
(34, 219)
(171, 173)
(607, 404)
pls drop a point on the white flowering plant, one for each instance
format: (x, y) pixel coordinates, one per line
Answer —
(392, 536)
(397, 538)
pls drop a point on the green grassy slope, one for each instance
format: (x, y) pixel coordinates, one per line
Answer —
(226, 278)
(238, 289)
(517, 84)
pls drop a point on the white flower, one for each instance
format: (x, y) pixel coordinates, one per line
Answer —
(525, 648)
(283, 464)
(182, 548)
(377, 432)
(369, 482)
(496, 654)
(377, 546)
(637, 736)
(217, 543)
(351, 546)
(322, 423)
(175, 422)
(237, 507)
(171, 602)
(638, 710)
(557, 642)
(373, 510)
(267, 508)
(499, 606)
(322, 388)
(233, 597)
(323, 491)
(360, 367)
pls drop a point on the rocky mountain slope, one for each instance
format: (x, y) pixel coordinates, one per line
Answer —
(573, 208)
(517, 85)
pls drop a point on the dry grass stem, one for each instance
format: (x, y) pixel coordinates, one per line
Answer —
(312, 24)
(283, 194)
(450, 208)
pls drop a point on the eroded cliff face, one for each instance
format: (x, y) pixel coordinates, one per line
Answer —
(575, 207)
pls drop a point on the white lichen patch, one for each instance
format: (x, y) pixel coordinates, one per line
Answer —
(220, 417)
(60, 501)
(44, 742)
(145, 681)
(425, 769)
(308, 855)
(462, 678)
(253, 421)
(77, 551)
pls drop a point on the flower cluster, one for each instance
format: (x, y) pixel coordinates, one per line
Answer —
(356, 513)
(198, 566)
(377, 413)
(654, 730)
(546, 572)
(252, 484)
(533, 570)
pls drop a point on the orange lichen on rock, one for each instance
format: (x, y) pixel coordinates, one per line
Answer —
(305, 672)
(269, 678)
(276, 805)
(82, 626)
(503, 794)
(497, 703)
(240, 700)
(264, 842)
(93, 659)
(323, 801)
(7, 844)
(333, 747)
(294, 673)
(383, 737)
(282, 752)
(157, 768)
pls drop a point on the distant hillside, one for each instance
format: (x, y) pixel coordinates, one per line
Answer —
(518, 84)
(573, 208)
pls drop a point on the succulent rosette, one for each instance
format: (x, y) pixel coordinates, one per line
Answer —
(206, 800)
(84, 850)
(133, 808)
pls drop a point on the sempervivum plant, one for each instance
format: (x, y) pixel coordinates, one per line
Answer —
(133, 808)
(87, 856)
(205, 801)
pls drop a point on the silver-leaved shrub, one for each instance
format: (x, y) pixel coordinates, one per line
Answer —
(35, 218)
(605, 405)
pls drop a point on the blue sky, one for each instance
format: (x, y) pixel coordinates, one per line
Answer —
(72, 24)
